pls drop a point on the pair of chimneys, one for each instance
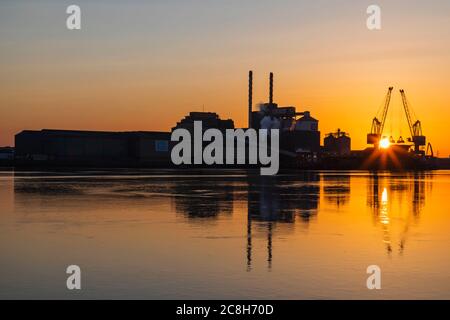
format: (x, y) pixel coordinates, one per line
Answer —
(250, 94)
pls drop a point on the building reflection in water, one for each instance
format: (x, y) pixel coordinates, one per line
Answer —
(407, 189)
(279, 199)
(336, 188)
(203, 198)
(274, 203)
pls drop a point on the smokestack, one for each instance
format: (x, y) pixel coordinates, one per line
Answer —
(271, 88)
(250, 97)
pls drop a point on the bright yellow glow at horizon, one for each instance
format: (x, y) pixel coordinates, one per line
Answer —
(384, 143)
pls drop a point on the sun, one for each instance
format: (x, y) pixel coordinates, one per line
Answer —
(384, 143)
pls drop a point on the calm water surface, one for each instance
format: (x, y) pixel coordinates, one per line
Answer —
(166, 234)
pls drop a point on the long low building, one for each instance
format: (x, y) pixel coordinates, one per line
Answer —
(92, 148)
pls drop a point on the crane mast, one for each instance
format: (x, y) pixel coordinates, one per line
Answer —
(415, 127)
(376, 131)
(385, 109)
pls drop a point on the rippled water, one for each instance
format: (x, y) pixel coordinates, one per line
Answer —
(224, 234)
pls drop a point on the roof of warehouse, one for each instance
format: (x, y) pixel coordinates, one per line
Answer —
(83, 132)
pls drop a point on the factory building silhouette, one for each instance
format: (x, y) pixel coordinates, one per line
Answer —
(92, 148)
(299, 139)
(299, 132)
(299, 146)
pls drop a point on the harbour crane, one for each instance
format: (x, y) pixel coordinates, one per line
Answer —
(429, 152)
(376, 131)
(415, 127)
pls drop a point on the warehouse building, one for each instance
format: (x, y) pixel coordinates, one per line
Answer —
(92, 148)
(6, 153)
(6, 156)
(209, 120)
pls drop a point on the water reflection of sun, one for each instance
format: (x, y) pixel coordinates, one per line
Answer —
(384, 216)
(384, 219)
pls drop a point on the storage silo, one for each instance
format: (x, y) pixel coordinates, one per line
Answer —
(338, 143)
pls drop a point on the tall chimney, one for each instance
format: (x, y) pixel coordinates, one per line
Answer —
(250, 97)
(271, 88)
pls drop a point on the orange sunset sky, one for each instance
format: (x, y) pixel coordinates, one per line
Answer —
(143, 65)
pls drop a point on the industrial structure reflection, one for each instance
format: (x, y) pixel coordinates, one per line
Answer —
(273, 205)
(385, 193)
(336, 188)
(279, 200)
(206, 199)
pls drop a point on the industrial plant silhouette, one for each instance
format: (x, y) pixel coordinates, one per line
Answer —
(300, 142)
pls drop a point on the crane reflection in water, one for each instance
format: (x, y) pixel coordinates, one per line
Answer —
(406, 188)
(274, 202)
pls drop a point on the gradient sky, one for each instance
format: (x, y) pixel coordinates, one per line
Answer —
(143, 65)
